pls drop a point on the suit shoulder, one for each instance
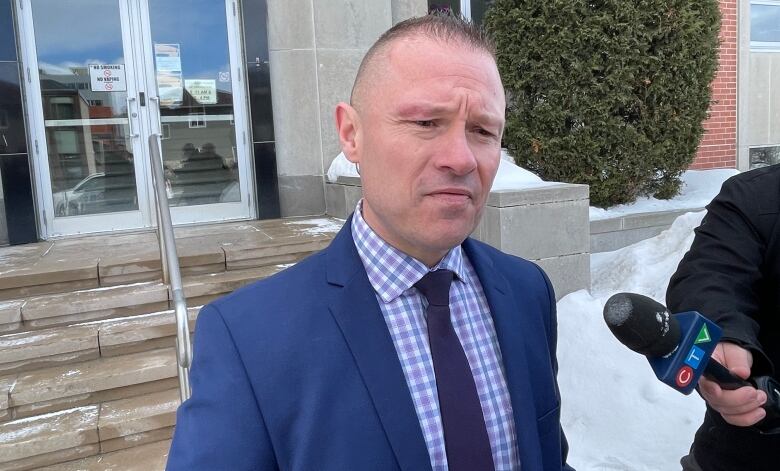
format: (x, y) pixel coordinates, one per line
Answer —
(279, 288)
(510, 265)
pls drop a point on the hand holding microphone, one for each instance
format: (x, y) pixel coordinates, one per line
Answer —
(741, 407)
(679, 348)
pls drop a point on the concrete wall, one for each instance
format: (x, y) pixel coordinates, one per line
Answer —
(315, 50)
(607, 235)
(548, 225)
(759, 94)
(763, 100)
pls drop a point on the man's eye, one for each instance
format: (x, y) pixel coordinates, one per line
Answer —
(484, 132)
(426, 123)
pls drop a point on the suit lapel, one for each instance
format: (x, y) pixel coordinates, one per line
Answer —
(507, 317)
(357, 313)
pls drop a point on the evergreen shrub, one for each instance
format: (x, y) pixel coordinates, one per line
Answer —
(609, 93)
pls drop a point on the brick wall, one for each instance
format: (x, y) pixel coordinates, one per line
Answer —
(718, 148)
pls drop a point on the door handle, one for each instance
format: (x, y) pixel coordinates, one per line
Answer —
(133, 134)
(156, 101)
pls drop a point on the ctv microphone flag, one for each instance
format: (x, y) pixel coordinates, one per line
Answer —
(678, 346)
(683, 367)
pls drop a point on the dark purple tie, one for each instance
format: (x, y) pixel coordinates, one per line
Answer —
(465, 435)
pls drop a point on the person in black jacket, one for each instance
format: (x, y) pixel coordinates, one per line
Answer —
(731, 275)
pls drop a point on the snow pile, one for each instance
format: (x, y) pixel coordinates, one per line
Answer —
(341, 167)
(616, 414)
(699, 187)
(509, 176)
(318, 226)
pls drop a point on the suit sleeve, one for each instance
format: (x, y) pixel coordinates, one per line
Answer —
(553, 342)
(220, 426)
(721, 273)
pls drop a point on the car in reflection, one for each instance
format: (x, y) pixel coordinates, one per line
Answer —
(98, 193)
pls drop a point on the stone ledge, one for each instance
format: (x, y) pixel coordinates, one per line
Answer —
(6, 384)
(541, 194)
(97, 299)
(10, 315)
(150, 457)
(135, 334)
(23, 346)
(615, 233)
(132, 416)
(27, 438)
(52, 384)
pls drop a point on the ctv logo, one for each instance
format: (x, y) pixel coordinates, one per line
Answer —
(684, 376)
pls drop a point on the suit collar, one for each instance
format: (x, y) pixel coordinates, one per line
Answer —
(356, 311)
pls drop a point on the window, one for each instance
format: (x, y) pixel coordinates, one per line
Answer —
(764, 156)
(472, 9)
(765, 25)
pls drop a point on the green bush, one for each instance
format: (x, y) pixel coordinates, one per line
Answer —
(610, 93)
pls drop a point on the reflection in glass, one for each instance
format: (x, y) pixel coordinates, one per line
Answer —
(87, 134)
(3, 223)
(444, 5)
(764, 156)
(192, 67)
(91, 174)
(765, 23)
(478, 9)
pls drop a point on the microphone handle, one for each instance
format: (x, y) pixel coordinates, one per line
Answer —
(714, 371)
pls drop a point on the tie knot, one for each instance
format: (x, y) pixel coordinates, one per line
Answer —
(435, 286)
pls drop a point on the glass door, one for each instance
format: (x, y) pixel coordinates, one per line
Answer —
(194, 70)
(88, 148)
(107, 74)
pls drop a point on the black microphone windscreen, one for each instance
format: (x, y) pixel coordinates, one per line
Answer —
(642, 324)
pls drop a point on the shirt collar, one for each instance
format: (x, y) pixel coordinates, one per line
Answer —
(390, 271)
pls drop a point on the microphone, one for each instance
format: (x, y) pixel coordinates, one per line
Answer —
(679, 347)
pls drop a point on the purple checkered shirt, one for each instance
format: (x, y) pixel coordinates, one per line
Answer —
(393, 274)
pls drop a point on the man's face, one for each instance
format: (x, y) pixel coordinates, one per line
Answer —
(426, 136)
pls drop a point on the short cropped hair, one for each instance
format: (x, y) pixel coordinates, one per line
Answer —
(442, 26)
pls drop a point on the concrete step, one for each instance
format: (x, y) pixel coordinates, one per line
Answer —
(91, 382)
(75, 350)
(107, 428)
(135, 421)
(150, 457)
(46, 311)
(26, 351)
(49, 438)
(97, 303)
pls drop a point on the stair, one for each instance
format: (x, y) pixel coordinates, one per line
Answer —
(88, 375)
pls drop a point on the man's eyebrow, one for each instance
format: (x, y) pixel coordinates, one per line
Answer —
(490, 119)
(423, 109)
(432, 110)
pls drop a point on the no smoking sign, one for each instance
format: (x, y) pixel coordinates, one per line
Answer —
(107, 78)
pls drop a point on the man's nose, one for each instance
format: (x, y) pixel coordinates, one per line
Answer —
(456, 153)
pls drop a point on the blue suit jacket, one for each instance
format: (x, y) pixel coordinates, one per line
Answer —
(299, 372)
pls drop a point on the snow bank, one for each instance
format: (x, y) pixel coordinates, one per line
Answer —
(509, 176)
(699, 187)
(616, 414)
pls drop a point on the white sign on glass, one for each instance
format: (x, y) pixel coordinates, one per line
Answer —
(167, 60)
(204, 91)
(107, 78)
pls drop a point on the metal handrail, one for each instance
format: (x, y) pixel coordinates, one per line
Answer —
(170, 266)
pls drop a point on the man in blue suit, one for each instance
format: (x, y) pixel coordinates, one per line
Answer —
(404, 345)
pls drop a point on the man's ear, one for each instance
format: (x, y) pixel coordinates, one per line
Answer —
(348, 127)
